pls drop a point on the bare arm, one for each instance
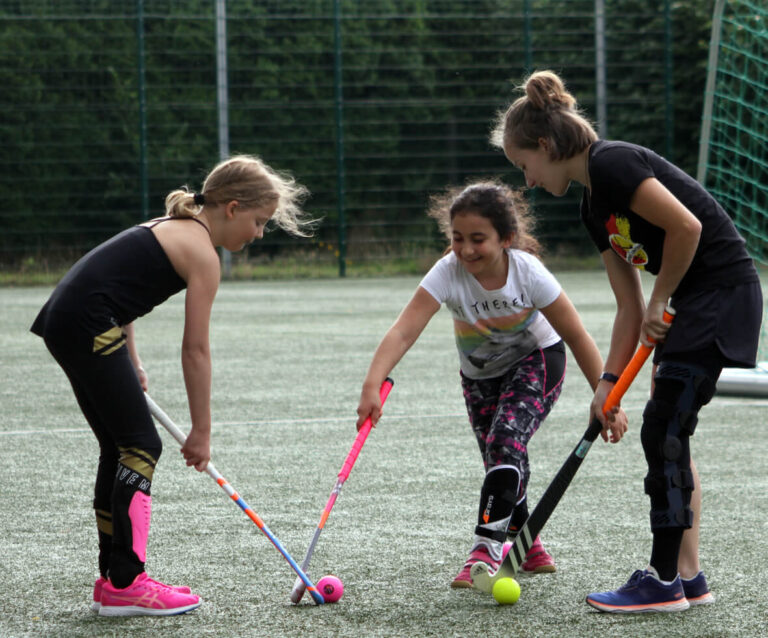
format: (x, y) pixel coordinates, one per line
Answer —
(630, 307)
(133, 353)
(393, 346)
(564, 318)
(194, 258)
(654, 203)
(196, 360)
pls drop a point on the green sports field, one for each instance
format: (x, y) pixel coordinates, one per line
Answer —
(288, 361)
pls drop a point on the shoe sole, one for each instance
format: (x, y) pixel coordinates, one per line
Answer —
(461, 584)
(135, 610)
(704, 599)
(677, 605)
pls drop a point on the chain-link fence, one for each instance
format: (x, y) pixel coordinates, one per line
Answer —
(372, 104)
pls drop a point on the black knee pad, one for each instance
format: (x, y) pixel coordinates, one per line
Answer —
(669, 419)
(519, 517)
(497, 502)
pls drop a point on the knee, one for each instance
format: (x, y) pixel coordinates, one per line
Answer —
(669, 420)
(137, 463)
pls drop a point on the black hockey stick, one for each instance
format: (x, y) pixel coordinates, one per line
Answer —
(481, 575)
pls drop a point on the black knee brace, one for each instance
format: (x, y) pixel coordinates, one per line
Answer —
(497, 502)
(669, 419)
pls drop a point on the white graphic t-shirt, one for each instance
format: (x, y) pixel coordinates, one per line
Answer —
(495, 329)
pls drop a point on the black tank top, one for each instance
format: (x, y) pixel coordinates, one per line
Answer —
(116, 282)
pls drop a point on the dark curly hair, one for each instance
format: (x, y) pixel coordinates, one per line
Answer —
(506, 208)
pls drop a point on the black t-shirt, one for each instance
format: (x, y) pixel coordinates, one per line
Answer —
(616, 169)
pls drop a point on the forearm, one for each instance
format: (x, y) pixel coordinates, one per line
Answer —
(196, 364)
(624, 337)
(130, 343)
(588, 358)
(390, 351)
(678, 254)
(630, 308)
(400, 337)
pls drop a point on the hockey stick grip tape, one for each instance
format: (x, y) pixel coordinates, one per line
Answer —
(632, 368)
(365, 430)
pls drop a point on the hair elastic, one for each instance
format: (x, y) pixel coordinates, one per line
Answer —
(199, 199)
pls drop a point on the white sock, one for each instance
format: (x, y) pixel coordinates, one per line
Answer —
(652, 571)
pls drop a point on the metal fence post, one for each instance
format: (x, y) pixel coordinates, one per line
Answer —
(669, 113)
(600, 83)
(222, 104)
(527, 40)
(339, 114)
(142, 93)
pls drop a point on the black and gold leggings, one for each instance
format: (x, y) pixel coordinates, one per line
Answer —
(112, 401)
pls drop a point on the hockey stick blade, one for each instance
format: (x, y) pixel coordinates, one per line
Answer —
(481, 575)
(177, 434)
(299, 586)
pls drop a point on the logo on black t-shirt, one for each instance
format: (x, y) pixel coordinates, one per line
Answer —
(621, 241)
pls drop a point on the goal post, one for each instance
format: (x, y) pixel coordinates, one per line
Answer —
(733, 150)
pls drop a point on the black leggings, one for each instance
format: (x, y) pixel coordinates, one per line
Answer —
(112, 401)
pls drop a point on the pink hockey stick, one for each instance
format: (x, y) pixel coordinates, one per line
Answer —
(299, 586)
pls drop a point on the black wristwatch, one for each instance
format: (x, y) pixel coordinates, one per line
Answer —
(609, 376)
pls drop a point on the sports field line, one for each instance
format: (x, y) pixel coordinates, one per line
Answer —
(390, 417)
(227, 424)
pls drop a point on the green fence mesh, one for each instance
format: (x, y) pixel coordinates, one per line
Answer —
(734, 166)
(106, 106)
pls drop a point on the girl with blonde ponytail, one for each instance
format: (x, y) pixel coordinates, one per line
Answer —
(87, 325)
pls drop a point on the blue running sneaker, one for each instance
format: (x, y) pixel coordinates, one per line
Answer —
(642, 592)
(697, 591)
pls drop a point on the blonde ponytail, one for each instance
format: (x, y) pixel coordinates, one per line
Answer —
(181, 203)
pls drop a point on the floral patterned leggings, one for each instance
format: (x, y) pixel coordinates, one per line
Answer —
(506, 411)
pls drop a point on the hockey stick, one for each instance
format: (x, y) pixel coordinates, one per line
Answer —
(482, 578)
(177, 434)
(299, 586)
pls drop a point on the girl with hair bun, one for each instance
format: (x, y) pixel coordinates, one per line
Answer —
(644, 213)
(87, 324)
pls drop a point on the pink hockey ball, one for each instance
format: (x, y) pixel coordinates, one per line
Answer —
(331, 588)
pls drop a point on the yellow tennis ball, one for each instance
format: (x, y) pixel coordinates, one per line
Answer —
(506, 591)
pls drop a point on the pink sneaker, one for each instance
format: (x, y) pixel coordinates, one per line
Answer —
(463, 580)
(145, 597)
(538, 560)
(96, 604)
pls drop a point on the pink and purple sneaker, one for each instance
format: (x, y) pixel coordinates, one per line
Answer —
(463, 580)
(97, 586)
(538, 560)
